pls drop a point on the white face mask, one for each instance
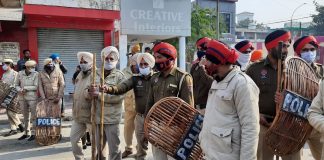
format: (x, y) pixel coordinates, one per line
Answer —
(309, 56)
(4, 67)
(244, 60)
(145, 71)
(85, 67)
(110, 65)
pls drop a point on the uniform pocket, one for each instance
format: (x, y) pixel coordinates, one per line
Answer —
(226, 103)
(222, 138)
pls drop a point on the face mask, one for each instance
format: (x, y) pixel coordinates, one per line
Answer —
(49, 67)
(5, 67)
(85, 67)
(163, 66)
(31, 70)
(145, 71)
(244, 60)
(110, 65)
(309, 56)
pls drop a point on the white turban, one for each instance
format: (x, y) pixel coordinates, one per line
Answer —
(148, 58)
(87, 56)
(47, 61)
(30, 63)
(7, 61)
(110, 50)
(133, 59)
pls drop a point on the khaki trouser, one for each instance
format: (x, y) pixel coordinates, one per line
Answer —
(129, 126)
(315, 145)
(13, 119)
(29, 113)
(142, 143)
(264, 153)
(77, 131)
(111, 136)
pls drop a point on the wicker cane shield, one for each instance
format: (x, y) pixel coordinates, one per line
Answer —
(290, 128)
(173, 126)
(48, 122)
(9, 98)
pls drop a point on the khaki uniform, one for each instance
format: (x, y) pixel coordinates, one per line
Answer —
(112, 117)
(130, 113)
(231, 123)
(167, 86)
(81, 112)
(9, 77)
(28, 100)
(201, 85)
(51, 86)
(265, 78)
(313, 141)
(140, 85)
(316, 112)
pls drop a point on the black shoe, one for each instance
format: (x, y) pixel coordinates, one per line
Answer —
(84, 146)
(126, 153)
(24, 137)
(88, 143)
(21, 128)
(10, 133)
(31, 138)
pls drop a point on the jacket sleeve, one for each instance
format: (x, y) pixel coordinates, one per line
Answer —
(186, 91)
(17, 82)
(315, 111)
(63, 68)
(122, 87)
(246, 98)
(115, 98)
(62, 85)
(34, 87)
(40, 87)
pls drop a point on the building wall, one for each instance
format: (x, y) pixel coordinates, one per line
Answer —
(14, 32)
(225, 7)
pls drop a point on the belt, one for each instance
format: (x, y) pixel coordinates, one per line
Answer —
(141, 115)
(200, 106)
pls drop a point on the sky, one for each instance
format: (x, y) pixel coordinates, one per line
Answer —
(271, 11)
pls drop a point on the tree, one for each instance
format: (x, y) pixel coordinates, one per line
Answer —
(318, 20)
(244, 23)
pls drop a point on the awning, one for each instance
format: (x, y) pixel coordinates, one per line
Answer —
(11, 14)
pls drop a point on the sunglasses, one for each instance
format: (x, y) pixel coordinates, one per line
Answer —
(308, 49)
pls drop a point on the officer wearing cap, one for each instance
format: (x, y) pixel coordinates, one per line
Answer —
(305, 47)
(9, 77)
(169, 81)
(140, 83)
(244, 48)
(230, 128)
(264, 74)
(27, 84)
(81, 104)
(201, 80)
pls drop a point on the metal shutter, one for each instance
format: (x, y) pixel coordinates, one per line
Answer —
(68, 43)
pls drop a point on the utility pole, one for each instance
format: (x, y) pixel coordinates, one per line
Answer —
(217, 22)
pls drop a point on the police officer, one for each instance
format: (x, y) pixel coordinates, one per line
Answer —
(112, 107)
(51, 82)
(9, 77)
(305, 47)
(129, 103)
(81, 104)
(244, 48)
(201, 80)
(170, 81)
(27, 85)
(264, 74)
(140, 83)
(231, 124)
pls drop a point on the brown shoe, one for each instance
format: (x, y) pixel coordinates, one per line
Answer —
(126, 153)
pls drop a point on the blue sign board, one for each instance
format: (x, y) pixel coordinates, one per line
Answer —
(296, 104)
(46, 122)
